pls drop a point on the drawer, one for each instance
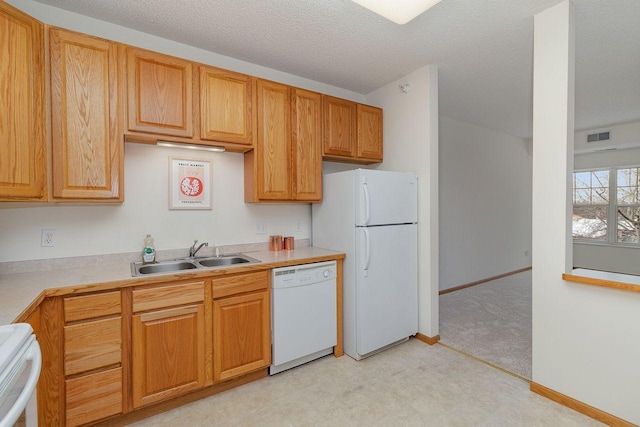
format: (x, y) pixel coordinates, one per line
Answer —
(167, 296)
(240, 283)
(93, 397)
(92, 345)
(92, 306)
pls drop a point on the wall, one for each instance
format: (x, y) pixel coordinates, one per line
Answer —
(600, 256)
(97, 229)
(100, 229)
(584, 337)
(485, 203)
(622, 136)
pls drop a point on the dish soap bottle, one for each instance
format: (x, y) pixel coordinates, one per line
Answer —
(149, 251)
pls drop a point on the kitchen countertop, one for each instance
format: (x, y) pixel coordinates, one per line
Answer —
(21, 293)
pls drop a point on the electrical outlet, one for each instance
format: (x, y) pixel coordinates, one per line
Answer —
(526, 253)
(48, 238)
(261, 228)
(298, 225)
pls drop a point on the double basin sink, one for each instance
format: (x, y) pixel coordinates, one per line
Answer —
(140, 269)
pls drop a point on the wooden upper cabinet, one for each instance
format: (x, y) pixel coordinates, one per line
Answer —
(286, 164)
(306, 120)
(369, 133)
(22, 135)
(352, 131)
(340, 118)
(273, 145)
(87, 144)
(159, 94)
(225, 106)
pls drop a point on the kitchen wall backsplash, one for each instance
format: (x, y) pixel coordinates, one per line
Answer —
(82, 229)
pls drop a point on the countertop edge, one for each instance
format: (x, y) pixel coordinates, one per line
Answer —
(185, 275)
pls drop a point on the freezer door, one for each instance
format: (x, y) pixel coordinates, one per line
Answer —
(384, 197)
(386, 285)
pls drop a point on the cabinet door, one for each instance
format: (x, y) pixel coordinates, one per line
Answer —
(369, 132)
(225, 106)
(306, 119)
(168, 353)
(241, 334)
(87, 145)
(273, 147)
(159, 94)
(22, 141)
(340, 127)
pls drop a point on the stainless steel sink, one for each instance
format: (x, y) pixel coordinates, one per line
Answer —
(140, 269)
(226, 260)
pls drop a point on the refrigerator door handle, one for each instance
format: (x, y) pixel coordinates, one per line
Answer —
(367, 251)
(367, 205)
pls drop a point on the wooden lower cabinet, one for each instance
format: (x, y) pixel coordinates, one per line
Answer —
(92, 345)
(93, 385)
(94, 396)
(168, 353)
(241, 327)
(114, 354)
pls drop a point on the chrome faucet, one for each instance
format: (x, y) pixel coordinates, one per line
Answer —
(193, 250)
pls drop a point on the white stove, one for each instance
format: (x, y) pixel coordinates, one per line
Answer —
(20, 363)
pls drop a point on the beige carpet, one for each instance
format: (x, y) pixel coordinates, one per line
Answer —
(491, 321)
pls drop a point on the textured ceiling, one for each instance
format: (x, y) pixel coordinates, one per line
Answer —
(483, 48)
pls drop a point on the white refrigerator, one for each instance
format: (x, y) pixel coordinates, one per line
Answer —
(372, 216)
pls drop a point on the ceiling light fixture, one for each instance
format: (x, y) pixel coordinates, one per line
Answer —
(169, 144)
(398, 11)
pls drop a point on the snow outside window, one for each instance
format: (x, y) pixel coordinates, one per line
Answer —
(628, 205)
(606, 205)
(591, 205)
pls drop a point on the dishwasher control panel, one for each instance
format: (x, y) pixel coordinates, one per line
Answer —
(299, 275)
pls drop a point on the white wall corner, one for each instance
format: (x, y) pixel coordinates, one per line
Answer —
(571, 321)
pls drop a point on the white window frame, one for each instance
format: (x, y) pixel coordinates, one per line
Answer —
(612, 209)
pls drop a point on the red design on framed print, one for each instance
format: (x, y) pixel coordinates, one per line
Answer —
(189, 183)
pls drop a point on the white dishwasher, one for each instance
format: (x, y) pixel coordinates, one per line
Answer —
(303, 314)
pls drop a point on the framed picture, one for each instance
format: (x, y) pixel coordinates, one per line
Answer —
(189, 183)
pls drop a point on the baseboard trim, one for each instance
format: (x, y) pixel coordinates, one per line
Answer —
(578, 406)
(488, 279)
(426, 339)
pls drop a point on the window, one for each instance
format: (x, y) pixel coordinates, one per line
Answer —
(606, 205)
(591, 205)
(628, 205)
